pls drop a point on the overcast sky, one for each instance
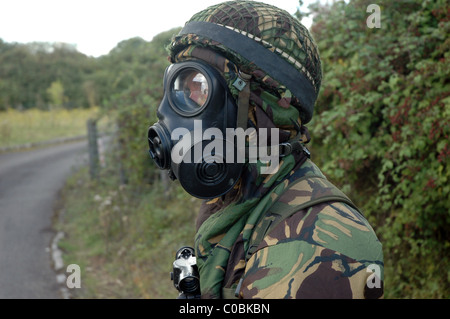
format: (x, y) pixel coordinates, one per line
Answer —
(96, 26)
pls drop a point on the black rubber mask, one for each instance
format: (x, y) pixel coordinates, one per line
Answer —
(190, 138)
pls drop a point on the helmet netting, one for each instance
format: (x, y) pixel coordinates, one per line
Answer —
(272, 27)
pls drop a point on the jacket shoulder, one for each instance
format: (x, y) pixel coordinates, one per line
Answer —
(320, 252)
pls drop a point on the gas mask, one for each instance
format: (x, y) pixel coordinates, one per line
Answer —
(190, 138)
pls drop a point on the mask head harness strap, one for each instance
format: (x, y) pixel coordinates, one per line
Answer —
(242, 83)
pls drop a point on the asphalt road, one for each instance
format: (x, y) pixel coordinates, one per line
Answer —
(29, 186)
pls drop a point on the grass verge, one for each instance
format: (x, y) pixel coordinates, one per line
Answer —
(123, 239)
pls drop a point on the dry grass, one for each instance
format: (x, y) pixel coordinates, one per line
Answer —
(34, 126)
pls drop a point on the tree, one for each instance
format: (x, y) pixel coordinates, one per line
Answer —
(28, 70)
(56, 94)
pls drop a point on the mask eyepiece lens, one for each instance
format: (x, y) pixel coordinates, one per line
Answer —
(190, 91)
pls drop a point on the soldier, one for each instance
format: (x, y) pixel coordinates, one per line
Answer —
(287, 233)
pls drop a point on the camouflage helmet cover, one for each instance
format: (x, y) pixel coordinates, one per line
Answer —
(258, 36)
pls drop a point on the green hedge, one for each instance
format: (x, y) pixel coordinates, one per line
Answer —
(381, 131)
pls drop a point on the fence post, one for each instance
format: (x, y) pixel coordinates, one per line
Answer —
(94, 162)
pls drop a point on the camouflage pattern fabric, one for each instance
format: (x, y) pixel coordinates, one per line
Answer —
(326, 246)
(325, 251)
(222, 219)
(233, 223)
(273, 28)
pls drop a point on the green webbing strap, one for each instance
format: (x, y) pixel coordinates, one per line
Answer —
(243, 85)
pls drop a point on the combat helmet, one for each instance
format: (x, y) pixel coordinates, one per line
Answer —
(261, 40)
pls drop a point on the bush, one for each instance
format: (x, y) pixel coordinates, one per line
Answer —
(381, 131)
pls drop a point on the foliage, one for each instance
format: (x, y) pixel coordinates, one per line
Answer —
(124, 238)
(28, 70)
(56, 93)
(381, 130)
(139, 68)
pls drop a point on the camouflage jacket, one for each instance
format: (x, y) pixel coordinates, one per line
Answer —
(328, 250)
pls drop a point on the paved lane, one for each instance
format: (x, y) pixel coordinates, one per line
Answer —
(29, 185)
